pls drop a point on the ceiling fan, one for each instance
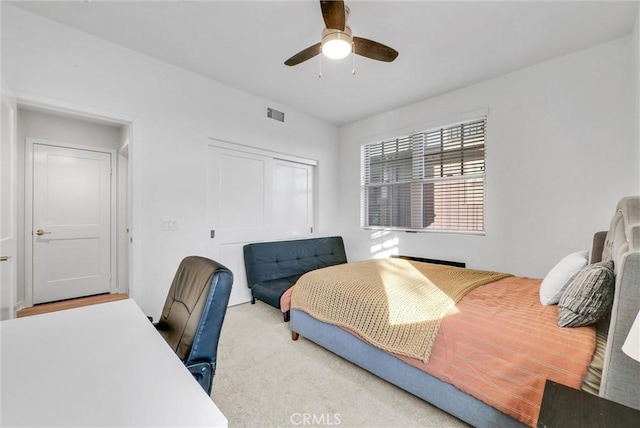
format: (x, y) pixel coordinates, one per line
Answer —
(338, 41)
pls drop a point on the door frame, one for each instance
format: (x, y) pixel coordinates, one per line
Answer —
(131, 123)
(9, 244)
(214, 247)
(28, 210)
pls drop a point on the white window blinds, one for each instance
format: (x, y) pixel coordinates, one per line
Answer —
(432, 180)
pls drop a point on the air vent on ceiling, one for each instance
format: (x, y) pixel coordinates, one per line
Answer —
(275, 114)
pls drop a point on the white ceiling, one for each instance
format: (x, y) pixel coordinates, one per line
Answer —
(443, 45)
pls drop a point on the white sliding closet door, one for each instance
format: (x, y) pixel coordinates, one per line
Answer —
(252, 197)
(292, 199)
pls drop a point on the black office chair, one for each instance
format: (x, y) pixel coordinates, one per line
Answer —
(193, 314)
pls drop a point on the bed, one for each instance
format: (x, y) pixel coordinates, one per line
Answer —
(439, 374)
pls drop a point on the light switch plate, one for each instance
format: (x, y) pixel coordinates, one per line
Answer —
(169, 225)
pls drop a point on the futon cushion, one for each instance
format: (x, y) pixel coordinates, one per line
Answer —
(559, 277)
(273, 267)
(271, 291)
(588, 297)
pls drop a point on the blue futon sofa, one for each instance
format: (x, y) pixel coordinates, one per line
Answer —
(274, 267)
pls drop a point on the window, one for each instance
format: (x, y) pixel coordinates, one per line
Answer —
(432, 180)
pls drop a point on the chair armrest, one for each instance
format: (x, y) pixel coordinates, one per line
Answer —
(203, 373)
(161, 325)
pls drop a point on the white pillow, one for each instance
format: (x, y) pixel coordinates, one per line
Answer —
(559, 277)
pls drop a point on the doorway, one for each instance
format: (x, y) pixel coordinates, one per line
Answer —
(69, 203)
(75, 206)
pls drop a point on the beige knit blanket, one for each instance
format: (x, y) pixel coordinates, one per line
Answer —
(394, 304)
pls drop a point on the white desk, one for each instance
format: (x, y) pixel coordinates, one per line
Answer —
(102, 365)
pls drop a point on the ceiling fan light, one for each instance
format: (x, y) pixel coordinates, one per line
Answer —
(336, 49)
(336, 44)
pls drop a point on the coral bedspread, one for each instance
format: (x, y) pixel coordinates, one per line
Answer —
(406, 300)
(499, 344)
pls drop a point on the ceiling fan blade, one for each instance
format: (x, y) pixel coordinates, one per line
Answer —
(374, 50)
(333, 14)
(304, 55)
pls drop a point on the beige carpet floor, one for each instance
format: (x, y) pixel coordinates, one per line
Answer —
(264, 379)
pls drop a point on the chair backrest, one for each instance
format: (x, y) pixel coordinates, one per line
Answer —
(195, 308)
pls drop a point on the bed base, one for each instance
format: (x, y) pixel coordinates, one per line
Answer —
(441, 394)
(620, 379)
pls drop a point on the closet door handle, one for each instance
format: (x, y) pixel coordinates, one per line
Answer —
(4, 258)
(41, 232)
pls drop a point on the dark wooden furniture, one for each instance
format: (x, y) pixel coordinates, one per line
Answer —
(565, 407)
(434, 261)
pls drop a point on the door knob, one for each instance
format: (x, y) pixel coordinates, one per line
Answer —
(41, 232)
(4, 258)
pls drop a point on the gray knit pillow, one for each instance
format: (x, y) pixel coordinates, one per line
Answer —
(588, 297)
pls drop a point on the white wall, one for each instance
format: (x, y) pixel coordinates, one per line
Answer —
(173, 112)
(39, 124)
(562, 148)
(635, 41)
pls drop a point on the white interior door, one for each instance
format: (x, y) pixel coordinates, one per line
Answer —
(8, 220)
(254, 197)
(71, 222)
